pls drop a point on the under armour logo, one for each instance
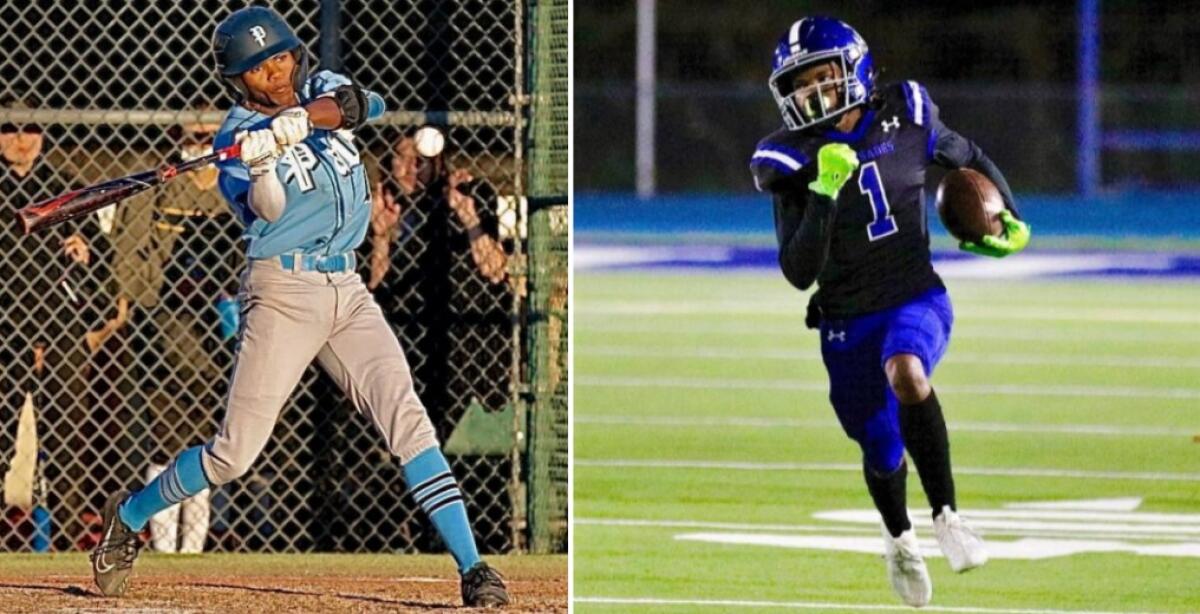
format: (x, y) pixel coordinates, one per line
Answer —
(838, 336)
(260, 35)
(889, 125)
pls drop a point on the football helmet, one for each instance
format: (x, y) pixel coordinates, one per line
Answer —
(818, 40)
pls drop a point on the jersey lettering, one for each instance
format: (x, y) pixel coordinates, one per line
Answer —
(884, 224)
(345, 155)
(300, 163)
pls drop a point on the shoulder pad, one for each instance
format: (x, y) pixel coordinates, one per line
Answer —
(777, 157)
(919, 108)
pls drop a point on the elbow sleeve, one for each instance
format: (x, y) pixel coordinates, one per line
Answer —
(804, 237)
(266, 197)
(376, 107)
(801, 277)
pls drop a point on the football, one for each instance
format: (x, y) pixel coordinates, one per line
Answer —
(969, 205)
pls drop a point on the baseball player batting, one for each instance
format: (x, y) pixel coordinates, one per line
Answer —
(302, 193)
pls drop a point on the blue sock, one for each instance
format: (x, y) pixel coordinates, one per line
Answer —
(433, 486)
(181, 479)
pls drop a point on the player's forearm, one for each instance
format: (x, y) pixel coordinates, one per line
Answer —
(804, 234)
(326, 114)
(267, 197)
(984, 165)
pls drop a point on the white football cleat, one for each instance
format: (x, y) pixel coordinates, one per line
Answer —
(906, 568)
(962, 546)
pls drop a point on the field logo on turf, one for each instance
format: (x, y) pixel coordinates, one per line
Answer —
(1036, 530)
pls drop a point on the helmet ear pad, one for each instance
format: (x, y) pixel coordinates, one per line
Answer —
(300, 71)
(237, 86)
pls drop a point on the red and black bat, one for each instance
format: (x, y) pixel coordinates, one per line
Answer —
(85, 200)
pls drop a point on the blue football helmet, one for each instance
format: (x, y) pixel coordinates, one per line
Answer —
(247, 37)
(818, 40)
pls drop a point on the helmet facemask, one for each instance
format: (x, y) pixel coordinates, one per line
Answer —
(811, 106)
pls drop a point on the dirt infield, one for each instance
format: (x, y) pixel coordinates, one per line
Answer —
(246, 583)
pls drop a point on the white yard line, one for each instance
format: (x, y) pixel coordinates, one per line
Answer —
(960, 332)
(831, 423)
(1141, 476)
(782, 384)
(811, 355)
(817, 605)
(726, 526)
(1066, 532)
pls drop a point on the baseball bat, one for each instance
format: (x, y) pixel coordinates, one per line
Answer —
(79, 202)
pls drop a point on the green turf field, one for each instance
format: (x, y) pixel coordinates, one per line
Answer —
(703, 441)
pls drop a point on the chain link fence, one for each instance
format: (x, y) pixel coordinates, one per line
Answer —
(548, 247)
(119, 329)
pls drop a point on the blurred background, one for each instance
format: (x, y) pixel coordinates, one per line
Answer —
(1071, 99)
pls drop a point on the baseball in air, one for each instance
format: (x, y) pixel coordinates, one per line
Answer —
(430, 141)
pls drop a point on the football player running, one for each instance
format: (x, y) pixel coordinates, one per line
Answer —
(846, 173)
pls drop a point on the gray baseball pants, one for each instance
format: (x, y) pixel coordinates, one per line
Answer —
(289, 318)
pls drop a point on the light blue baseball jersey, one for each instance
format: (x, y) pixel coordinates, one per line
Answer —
(328, 197)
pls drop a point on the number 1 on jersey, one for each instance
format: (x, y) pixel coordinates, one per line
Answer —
(869, 183)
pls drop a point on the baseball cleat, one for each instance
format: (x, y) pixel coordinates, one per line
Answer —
(962, 546)
(906, 568)
(112, 560)
(482, 587)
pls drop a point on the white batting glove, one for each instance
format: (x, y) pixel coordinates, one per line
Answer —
(260, 151)
(291, 126)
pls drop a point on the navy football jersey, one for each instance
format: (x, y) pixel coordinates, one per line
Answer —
(876, 251)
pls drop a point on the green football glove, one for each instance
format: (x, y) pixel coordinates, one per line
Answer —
(1016, 237)
(835, 163)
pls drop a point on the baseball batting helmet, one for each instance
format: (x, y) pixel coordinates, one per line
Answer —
(247, 37)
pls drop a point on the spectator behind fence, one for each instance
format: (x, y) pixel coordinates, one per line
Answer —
(51, 294)
(443, 281)
(406, 174)
(438, 270)
(177, 259)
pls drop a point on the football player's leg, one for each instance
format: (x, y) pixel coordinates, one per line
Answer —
(866, 409)
(916, 339)
(884, 468)
(365, 358)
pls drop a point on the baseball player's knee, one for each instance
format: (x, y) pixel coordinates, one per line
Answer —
(906, 376)
(413, 433)
(222, 467)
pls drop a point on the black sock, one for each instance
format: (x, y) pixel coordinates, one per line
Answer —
(924, 431)
(890, 497)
